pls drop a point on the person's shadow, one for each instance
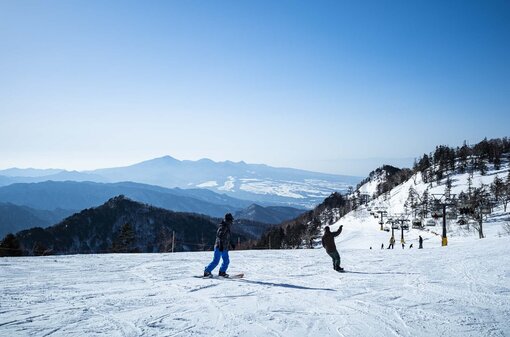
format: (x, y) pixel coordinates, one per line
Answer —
(284, 285)
(378, 273)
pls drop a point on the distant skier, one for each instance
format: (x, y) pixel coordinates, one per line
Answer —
(411, 246)
(382, 245)
(420, 241)
(221, 247)
(328, 242)
(392, 243)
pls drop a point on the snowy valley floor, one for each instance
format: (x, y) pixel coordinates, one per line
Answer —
(460, 290)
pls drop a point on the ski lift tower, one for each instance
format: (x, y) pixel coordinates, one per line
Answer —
(394, 225)
(441, 201)
(382, 213)
(402, 220)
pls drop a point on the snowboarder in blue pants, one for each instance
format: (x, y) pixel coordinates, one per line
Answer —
(221, 247)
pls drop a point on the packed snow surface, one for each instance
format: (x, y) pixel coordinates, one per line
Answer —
(459, 290)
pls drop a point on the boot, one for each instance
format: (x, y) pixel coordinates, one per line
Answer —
(207, 274)
(223, 274)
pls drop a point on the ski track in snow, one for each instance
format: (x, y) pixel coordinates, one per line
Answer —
(462, 290)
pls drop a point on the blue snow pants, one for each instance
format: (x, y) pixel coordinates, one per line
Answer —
(216, 260)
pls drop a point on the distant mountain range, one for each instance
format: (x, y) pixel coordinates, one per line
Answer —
(270, 215)
(258, 193)
(14, 218)
(258, 183)
(73, 195)
(42, 204)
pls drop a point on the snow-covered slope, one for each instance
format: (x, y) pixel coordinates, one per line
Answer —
(459, 290)
(395, 200)
(364, 228)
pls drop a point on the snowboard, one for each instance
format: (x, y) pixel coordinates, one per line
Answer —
(235, 276)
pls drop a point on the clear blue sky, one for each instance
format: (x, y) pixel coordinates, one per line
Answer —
(329, 86)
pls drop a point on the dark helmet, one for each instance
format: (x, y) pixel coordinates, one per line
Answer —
(229, 217)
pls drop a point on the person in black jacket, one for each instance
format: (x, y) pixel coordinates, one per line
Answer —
(221, 247)
(328, 242)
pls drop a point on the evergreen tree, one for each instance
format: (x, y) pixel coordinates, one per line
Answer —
(470, 184)
(10, 246)
(412, 201)
(448, 187)
(125, 242)
(497, 162)
(497, 188)
(471, 166)
(423, 165)
(481, 166)
(439, 173)
(425, 202)
(482, 149)
(40, 249)
(463, 154)
(479, 202)
(430, 176)
(506, 191)
(450, 160)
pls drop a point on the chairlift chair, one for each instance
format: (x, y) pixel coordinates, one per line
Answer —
(417, 223)
(405, 225)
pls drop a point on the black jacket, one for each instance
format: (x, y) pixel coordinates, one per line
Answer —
(223, 236)
(328, 240)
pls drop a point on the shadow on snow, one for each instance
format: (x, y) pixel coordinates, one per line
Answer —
(285, 285)
(376, 273)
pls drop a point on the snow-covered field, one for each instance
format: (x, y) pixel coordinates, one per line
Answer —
(459, 290)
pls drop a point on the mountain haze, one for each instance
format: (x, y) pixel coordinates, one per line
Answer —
(50, 195)
(24, 206)
(270, 215)
(14, 218)
(258, 183)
